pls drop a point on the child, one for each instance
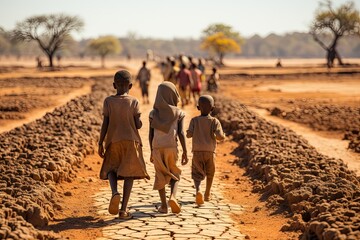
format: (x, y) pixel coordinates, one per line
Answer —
(195, 81)
(123, 157)
(144, 77)
(166, 125)
(204, 130)
(184, 81)
(213, 81)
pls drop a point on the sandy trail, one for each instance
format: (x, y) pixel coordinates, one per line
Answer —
(39, 113)
(329, 145)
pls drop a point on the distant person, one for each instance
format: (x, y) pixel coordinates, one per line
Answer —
(204, 131)
(58, 58)
(195, 82)
(191, 60)
(149, 55)
(278, 64)
(201, 67)
(184, 60)
(167, 68)
(166, 126)
(39, 63)
(172, 77)
(144, 76)
(213, 81)
(163, 69)
(122, 152)
(183, 77)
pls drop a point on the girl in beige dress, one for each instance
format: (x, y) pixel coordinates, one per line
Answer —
(166, 126)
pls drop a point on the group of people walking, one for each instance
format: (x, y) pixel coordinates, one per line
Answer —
(122, 151)
(183, 72)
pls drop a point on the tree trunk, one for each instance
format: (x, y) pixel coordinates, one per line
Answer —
(103, 61)
(339, 58)
(330, 57)
(221, 59)
(51, 56)
(332, 53)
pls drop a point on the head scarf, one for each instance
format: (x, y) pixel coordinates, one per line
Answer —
(165, 107)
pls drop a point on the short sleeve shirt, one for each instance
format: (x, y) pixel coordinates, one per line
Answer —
(205, 130)
(121, 111)
(166, 140)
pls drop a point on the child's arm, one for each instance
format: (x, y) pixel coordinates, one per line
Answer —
(181, 135)
(104, 128)
(218, 131)
(138, 123)
(137, 114)
(151, 137)
(190, 131)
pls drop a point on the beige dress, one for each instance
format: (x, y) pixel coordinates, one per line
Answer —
(165, 154)
(123, 153)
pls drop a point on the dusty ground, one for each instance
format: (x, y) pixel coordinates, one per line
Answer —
(258, 222)
(263, 91)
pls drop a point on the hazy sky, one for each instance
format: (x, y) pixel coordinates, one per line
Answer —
(169, 19)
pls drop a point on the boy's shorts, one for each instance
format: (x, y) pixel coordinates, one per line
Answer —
(203, 165)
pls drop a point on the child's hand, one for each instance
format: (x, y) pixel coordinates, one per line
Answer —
(101, 151)
(184, 159)
(151, 157)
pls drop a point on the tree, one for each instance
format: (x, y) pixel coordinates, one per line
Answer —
(5, 44)
(337, 23)
(104, 46)
(49, 31)
(221, 39)
(220, 44)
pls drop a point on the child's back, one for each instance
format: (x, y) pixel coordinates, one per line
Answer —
(166, 125)
(205, 130)
(122, 154)
(121, 110)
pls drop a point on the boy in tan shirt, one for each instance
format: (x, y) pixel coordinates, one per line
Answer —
(204, 130)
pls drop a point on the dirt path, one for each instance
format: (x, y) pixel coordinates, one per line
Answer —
(325, 143)
(39, 113)
(87, 217)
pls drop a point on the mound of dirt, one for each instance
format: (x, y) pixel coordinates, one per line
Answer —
(321, 193)
(326, 117)
(38, 155)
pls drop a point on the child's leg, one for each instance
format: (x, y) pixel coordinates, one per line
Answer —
(174, 205)
(199, 199)
(128, 184)
(197, 185)
(174, 186)
(162, 194)
(112, 176)
(209, 181)
(115, 199)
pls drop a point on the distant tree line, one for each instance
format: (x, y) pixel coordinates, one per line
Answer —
(291, 45)
(335, 30)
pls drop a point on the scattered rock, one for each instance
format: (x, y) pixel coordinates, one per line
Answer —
(68, 193)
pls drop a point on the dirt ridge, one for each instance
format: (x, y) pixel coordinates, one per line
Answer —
(321, 193)
(40, 154)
